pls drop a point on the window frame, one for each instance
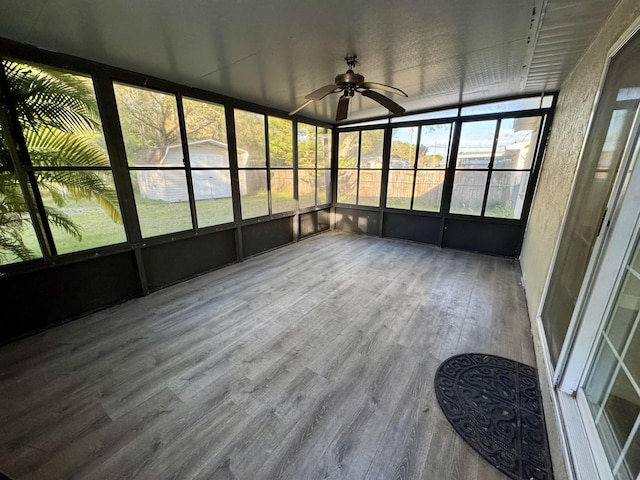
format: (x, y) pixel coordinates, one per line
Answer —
(27, 173)
(416, 168)
(103, 76)
(189, 165)
(279, 168)
(185, 168)
(316, 168)
(268, 168)
(358, 168)
(492, 235)
(490, 169)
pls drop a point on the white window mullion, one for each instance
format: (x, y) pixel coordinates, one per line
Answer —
(627, 445)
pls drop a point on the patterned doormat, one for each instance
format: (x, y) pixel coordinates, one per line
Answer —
(494, 404)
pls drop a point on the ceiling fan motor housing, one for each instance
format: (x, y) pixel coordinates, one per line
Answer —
(344, 79)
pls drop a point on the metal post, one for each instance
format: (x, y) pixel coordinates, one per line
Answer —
(22, 162)
(235, 180)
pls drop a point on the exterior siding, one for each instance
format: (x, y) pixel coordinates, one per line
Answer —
(171, 186)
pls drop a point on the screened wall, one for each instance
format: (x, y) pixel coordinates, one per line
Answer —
(114, 184)
(177, 155)
(461, 178)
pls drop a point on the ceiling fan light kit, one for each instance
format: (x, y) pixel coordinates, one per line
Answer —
(349, 83)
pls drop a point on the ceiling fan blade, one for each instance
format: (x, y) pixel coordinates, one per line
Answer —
(322, 92)
(293, 112)
(343, 108)
(387, 103)
(381, 86)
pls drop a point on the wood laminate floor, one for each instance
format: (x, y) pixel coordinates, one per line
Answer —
(313, 361)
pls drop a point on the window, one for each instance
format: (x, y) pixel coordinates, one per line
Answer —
(149, 121)
(18, 240)
(472, 165)
(17, 237)
(265, 187)
(314, 165)
(281, 165)
(323, 172)
(360, 167)
(512, 163)
(528, 103)
(417, 168)
(306, 165)
(449, 113)
(209, 161)
(68, 168)
(493, 166)
(252, 163)
(612, 387)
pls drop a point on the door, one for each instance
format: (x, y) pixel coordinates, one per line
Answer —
(611, 390)
(606, 380)
(602, 159)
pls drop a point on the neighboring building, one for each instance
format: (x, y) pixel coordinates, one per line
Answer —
(170, 185)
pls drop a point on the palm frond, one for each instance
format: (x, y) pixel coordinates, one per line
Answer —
(60, 220)
(80, 184)
(60, 119)
(56, 148)
(62, 149)
(52, 99)
(14, 220)
(13, 246)
(58, 195)
(12, 216)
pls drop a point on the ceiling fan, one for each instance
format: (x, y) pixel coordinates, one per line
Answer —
(349, 83)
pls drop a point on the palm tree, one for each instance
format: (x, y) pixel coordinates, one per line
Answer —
(60, 123)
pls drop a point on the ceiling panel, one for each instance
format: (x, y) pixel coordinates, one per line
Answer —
(567, 29)
(274, 53)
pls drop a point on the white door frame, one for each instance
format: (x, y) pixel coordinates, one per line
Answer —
(558, 371)
(605, 263)
(584, 459)
(608, 276)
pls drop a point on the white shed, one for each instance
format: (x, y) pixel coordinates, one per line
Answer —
(171, 185)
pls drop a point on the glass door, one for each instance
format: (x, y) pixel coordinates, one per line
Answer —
(604, 367)
(602, 158)
(591, 316)
(612, 386)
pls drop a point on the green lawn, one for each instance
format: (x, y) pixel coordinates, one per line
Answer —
(399, 202)
(156, 218)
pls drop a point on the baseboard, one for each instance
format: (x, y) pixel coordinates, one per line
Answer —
(563, 467)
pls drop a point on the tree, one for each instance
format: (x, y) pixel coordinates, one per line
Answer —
(149, 119)
(250, 136)
(61, 127)
(403, 151)
(280, 142)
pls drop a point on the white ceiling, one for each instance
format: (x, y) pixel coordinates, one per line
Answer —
(273, 53)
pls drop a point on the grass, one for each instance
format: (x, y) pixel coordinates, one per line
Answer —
(399, 202)
(499, 210)
(419, 204)
(96, 227)
(156, 218)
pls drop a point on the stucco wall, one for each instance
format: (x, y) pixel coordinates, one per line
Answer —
(575, 103)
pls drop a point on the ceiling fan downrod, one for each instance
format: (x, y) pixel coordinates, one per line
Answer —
(352, 61)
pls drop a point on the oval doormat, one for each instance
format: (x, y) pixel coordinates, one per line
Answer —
(494, 404)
